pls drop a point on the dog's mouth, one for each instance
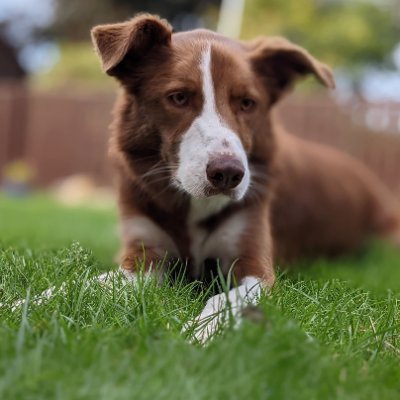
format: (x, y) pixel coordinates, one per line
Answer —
(210, 191)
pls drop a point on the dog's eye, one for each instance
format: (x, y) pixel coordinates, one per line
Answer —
(179, 99)
(247, 104)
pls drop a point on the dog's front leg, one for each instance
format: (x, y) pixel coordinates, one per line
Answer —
(138, 258)
(146, 247)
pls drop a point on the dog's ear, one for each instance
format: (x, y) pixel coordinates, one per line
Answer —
(280, 62)
(133, 39)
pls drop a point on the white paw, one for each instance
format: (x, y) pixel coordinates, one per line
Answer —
(223, 308)
(209, 321)
(123, 276)
(105, 279)
(38, 299)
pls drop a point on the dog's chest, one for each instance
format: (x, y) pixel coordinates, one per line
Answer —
(221, 241)
(197, 241)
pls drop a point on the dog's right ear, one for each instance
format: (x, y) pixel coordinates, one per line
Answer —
(280, 62)
(133, 39)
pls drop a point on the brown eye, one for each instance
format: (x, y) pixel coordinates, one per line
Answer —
(247, 104)
(179, 99)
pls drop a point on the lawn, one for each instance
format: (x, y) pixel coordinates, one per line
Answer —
(330, 331)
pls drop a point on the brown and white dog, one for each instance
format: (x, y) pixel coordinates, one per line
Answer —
(205, 173)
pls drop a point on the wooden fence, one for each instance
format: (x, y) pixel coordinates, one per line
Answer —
(61, 134)
(58, 133)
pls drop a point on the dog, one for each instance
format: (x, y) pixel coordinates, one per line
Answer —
(204, 171)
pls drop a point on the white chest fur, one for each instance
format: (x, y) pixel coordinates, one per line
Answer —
(224, 242)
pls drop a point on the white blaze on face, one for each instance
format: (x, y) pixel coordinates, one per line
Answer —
(208, 138)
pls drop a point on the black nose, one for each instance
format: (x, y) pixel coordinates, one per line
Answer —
(225, 172)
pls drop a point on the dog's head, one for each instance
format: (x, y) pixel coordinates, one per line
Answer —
(207, 97)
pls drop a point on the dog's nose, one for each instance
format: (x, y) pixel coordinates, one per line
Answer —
(225, 172)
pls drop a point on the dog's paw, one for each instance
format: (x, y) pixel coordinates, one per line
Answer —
(206, 328)
(214, 317)
(123, 276)
(223, 309)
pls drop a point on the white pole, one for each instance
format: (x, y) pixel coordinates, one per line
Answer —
(230, 18)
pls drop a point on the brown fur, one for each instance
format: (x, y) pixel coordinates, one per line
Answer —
(312, 199)
(326, 202)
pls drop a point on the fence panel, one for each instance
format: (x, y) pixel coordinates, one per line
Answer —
(69, 134)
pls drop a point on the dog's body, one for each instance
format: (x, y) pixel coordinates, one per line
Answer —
(203, 171)
(327, 203)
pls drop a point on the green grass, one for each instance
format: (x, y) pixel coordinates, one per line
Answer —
(330, 331)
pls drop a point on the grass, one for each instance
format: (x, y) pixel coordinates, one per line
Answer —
(330, 331)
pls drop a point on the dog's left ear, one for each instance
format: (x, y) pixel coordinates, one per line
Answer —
(280, 62)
